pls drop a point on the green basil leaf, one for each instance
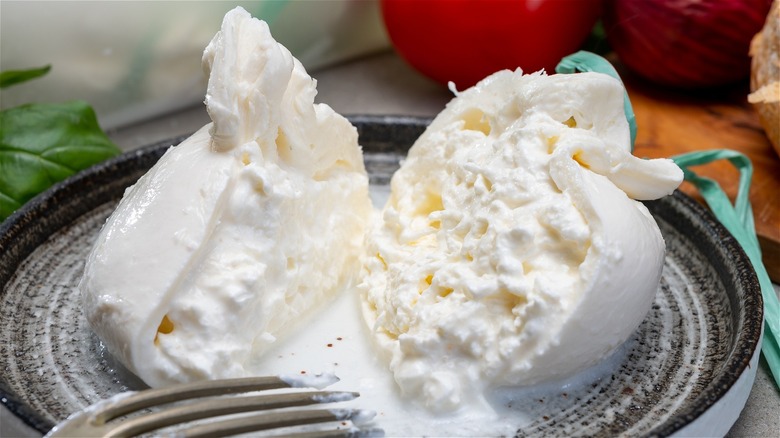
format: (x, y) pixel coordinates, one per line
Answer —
(42, 144)
(12, 77)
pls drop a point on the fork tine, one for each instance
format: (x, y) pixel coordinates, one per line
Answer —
(223, 406)
(335, 433)
(265, 421)
(155, 397)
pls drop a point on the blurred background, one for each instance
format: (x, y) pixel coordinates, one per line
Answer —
(136, 60)
(686, 65)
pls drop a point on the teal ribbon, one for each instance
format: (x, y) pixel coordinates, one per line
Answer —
(737, 217)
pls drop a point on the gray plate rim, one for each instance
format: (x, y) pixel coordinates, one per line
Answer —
(678, 209)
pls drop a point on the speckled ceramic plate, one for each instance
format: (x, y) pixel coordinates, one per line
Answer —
(687, 368)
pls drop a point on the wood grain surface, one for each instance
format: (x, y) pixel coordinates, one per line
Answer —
(674, 122)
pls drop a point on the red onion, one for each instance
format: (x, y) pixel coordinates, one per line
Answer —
(685, 43)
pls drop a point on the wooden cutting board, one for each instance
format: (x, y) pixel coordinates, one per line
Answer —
(673, 122)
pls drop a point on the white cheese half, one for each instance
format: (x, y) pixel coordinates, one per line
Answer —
(239, 232)
(512, 250)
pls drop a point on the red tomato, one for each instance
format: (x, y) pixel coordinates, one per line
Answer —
(465, 40)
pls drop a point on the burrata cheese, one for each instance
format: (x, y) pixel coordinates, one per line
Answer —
(239, 232)
(512, 250)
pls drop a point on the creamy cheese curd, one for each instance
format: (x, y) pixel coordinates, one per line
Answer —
(239, 232)
(512, 250)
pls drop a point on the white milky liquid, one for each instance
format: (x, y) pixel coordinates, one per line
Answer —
(336, 340)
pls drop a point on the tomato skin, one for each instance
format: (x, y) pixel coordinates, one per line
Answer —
(465, 40)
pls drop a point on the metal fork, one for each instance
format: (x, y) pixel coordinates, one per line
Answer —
(104, 418)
